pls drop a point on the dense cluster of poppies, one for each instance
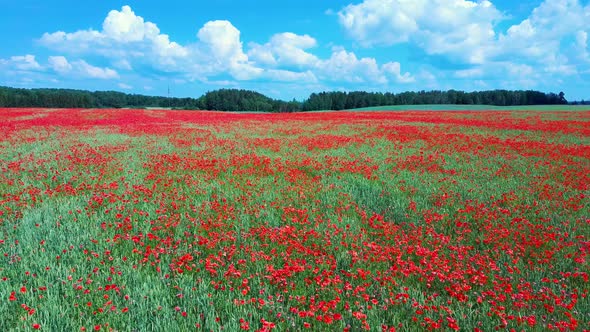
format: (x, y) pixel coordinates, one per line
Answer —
(184, 220)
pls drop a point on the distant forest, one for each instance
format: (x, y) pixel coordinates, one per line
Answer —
(244, 100)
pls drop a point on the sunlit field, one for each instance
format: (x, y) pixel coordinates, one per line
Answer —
(144, 220)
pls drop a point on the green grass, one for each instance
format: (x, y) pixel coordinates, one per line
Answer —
(453, 107)
(400, 221)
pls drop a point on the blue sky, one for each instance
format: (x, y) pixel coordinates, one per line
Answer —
(288, 49)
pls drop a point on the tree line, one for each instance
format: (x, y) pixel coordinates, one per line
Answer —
(350, 100)
(245, 100)
(68, 98)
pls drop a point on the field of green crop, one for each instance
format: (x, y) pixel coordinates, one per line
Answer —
(443, 107)
(139, 220)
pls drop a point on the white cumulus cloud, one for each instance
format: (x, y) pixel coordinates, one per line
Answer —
(223, 40)
(79, 68)
(540, 35)
(549, 44)
(393, 69)
(128, 42)
(125, 26)
(124, 34)
(447, 27)
(287, 49)
(93, 71)
(60, 64)
(24, 62)
(347, 67)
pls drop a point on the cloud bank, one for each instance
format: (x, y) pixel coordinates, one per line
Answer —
(450, 41)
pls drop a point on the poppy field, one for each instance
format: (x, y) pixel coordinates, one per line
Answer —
(124, 220)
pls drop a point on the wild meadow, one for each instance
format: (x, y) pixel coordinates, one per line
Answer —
(138, 220)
